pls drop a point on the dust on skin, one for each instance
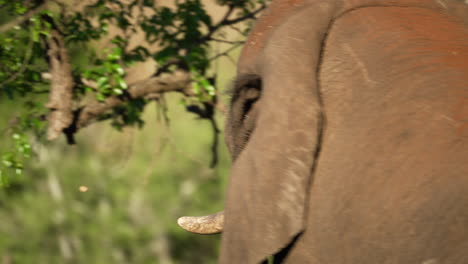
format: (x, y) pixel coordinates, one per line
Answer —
(273, 16)
(461, 114)
(278, 11)
(440, 47)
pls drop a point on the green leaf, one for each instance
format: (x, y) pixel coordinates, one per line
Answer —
(196, 88)
(121, 82)
(117, 91)
(148, 3)
(102, 81)
(162, 56)
(211, 90)
(7, 162)
(100, 97)
(4, 181)
(118, 69)
(115, 54)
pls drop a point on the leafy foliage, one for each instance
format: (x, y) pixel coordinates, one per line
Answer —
(176, 37)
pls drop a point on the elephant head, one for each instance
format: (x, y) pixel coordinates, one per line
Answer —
(344, 130)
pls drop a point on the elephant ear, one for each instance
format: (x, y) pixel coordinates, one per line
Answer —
(271, 176)
(273, 171)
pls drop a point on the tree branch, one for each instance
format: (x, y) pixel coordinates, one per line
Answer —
(228, 22)
(178, 81)
(66, 119)
(228, 13)
(60, 98)
(250, 15)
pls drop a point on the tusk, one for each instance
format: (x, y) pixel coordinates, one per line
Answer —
(205, 225)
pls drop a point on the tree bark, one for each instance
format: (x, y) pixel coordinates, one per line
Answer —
(61, 91)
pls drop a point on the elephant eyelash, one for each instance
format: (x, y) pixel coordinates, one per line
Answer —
(246, 137)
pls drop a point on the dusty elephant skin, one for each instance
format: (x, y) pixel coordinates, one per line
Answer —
(348, 133)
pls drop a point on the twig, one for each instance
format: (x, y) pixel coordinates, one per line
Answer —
(227, 22)
(232, 60)
(214, 145)
(24, 65)
(20, 20)
(226, 52)
(228, 13)
(250, 15)
(227, 41)
(237, 30)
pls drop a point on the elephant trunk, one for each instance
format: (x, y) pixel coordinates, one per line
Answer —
(205, 225)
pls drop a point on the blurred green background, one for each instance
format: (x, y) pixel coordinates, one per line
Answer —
(115, 196)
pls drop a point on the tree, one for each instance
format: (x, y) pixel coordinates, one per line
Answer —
(51, 66)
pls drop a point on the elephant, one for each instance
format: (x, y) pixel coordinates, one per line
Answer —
(348, 130)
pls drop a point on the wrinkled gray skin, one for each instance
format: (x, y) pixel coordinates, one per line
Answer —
(348, 129)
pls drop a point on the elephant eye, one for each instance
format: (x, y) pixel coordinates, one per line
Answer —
(245, 94)
(250, 96)
(247, 90)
